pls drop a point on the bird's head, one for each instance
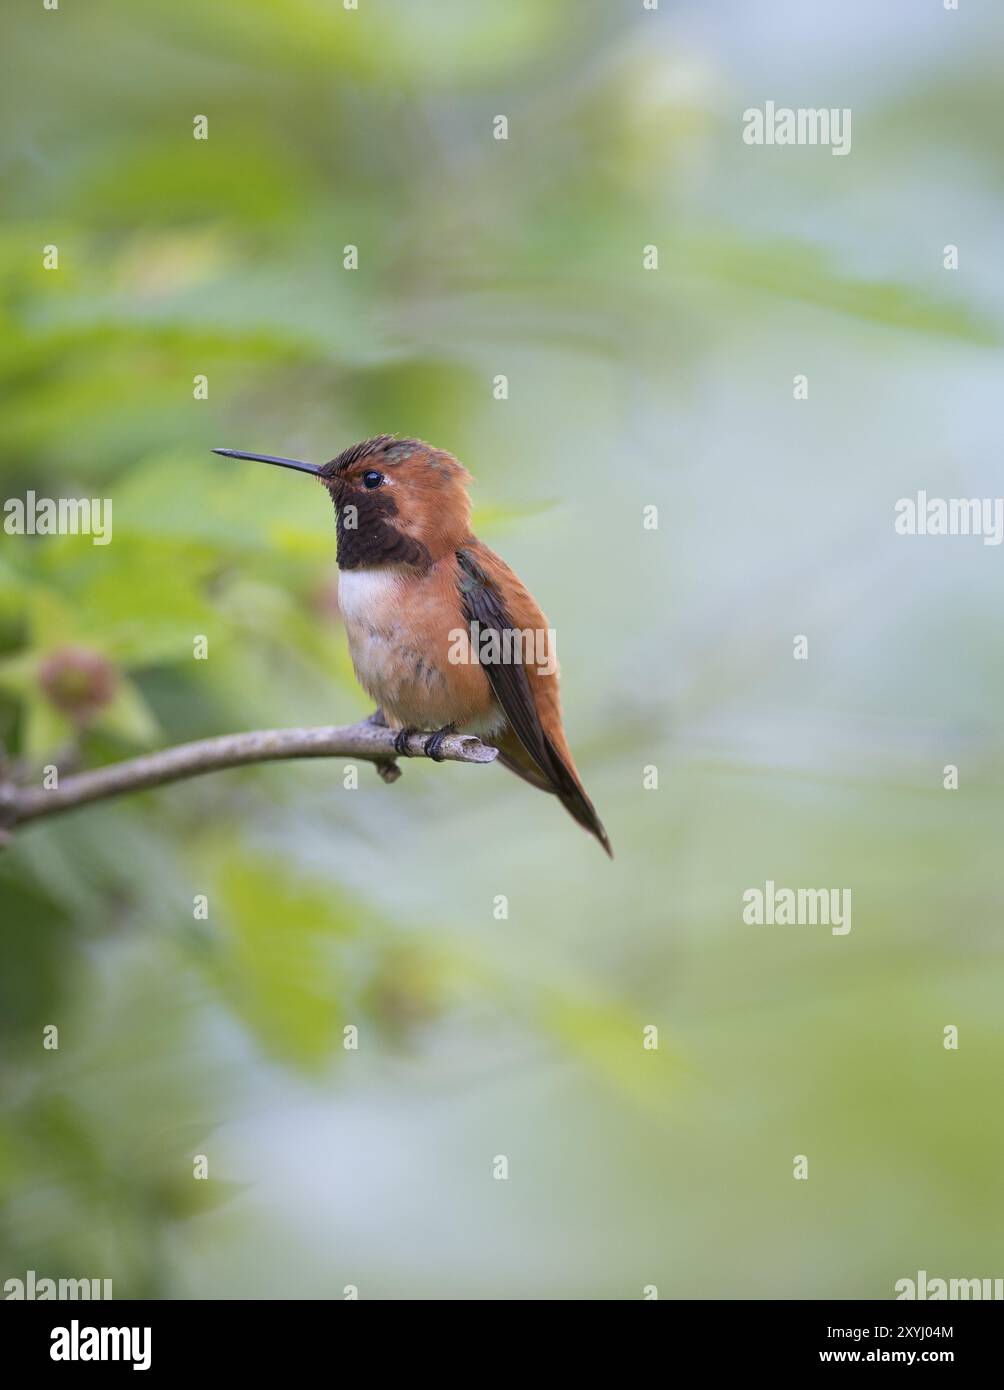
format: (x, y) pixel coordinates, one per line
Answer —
(398, 501)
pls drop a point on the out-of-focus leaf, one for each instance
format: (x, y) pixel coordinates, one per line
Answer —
(802, 272)
(128, 716)
(281, 968)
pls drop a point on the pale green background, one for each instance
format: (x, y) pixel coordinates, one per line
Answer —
(627, 389)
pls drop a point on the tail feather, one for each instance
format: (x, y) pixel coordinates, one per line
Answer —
(562, 782)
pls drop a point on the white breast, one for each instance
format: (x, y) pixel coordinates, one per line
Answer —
(370, 602)
(404, 681)
(368, 596)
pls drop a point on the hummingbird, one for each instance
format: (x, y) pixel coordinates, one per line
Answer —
(442, 633)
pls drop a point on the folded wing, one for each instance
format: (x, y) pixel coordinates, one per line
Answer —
(537, 753)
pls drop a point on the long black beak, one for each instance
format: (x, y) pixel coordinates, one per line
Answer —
(269, 458)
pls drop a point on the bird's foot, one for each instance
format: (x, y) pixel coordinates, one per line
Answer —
(401, 741)
(434, 743)
(430, 747)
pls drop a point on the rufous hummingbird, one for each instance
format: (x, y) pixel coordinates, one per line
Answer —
(442, 634)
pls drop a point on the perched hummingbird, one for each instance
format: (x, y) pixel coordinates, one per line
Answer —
(413, 581)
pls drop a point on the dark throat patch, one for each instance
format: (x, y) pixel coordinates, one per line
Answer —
(367, 536)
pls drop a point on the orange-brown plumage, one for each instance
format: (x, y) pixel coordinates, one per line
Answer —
(413, 581)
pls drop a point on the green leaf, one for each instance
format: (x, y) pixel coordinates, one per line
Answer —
(128, 716)
(280, 967)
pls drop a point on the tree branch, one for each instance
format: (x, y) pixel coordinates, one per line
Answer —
(368, 741)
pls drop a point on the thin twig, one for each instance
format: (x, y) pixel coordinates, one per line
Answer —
(367, 741)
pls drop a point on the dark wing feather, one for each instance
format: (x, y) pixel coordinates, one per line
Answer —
(511, 687)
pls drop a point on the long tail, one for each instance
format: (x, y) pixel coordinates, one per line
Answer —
(558, 779)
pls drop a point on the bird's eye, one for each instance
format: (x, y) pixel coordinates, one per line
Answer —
(371, 478)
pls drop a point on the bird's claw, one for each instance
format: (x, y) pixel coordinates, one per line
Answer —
(434, 743)
(430, 747)
(401, 741)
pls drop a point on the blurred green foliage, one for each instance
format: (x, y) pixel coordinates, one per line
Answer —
(372, 908)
